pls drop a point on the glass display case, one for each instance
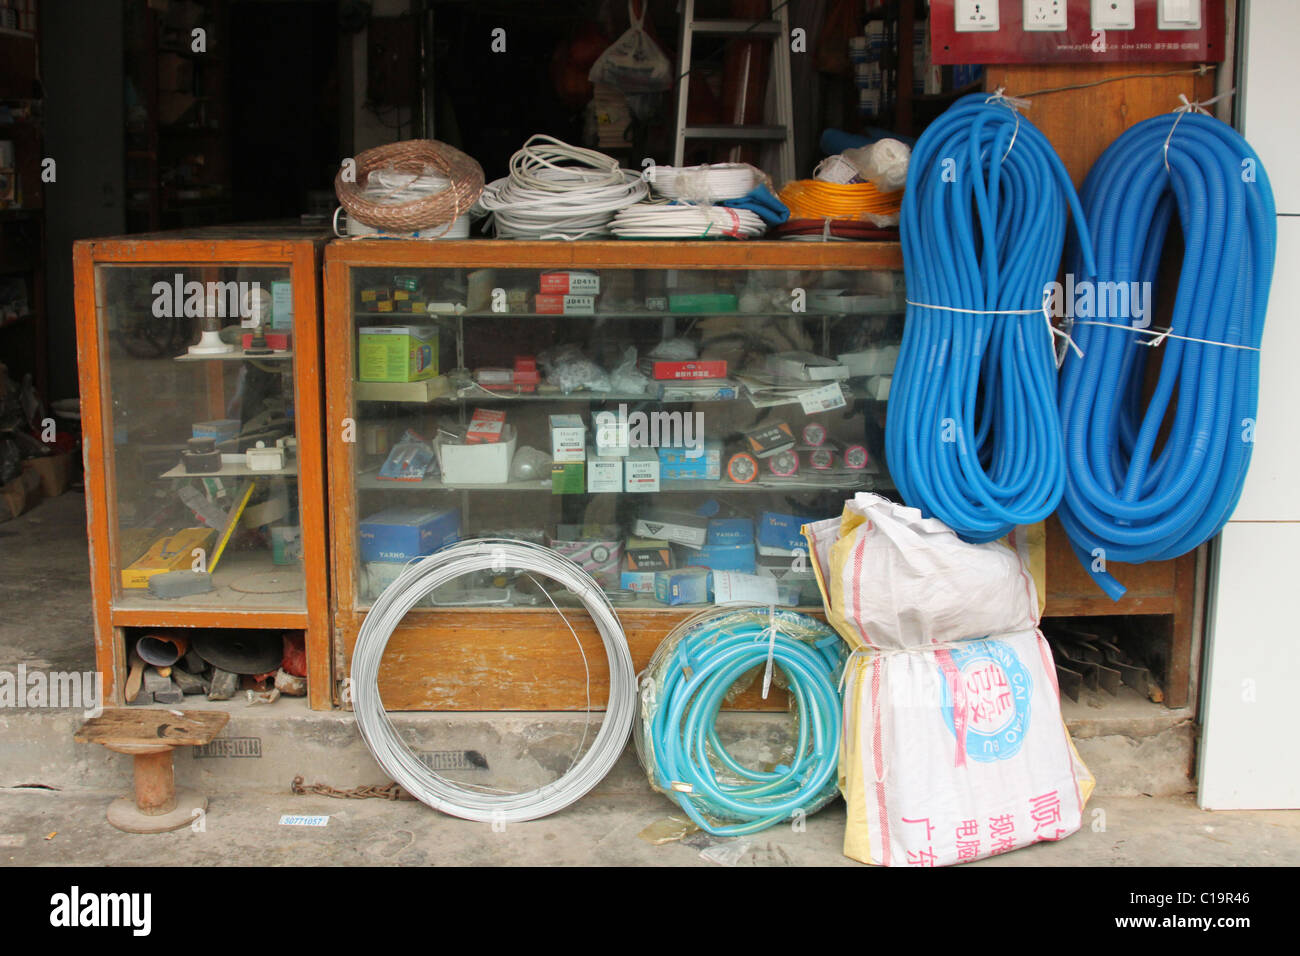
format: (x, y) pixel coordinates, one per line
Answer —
(666, 414)
(201, 397)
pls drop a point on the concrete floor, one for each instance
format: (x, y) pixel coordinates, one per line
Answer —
(45, 622)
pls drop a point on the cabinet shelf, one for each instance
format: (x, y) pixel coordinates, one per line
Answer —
(370, 481)
(237, 356)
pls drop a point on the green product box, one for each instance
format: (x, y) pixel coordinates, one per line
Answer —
(282, 304)
(568, 478)
(397, 353)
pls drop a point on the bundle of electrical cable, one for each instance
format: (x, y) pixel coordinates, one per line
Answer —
(558, 191)
(461, 800)
(1149, 481)
(665, 220)
(711, 658)
(972, 435)
(817, 199)
(706, 183)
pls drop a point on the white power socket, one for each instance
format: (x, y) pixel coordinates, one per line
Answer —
(1043, 15)
(1113, 15)
(972, 16)
(1178, 15)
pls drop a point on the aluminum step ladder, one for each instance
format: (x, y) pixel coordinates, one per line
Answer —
(779, 133)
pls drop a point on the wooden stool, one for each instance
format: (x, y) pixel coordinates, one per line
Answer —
(150, 736)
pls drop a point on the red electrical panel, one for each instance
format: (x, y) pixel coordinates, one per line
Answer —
(1077, 31)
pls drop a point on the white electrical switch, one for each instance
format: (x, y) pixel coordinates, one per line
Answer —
(1178, 15)
(1041, 15)
(975, 15)
(1113, 15)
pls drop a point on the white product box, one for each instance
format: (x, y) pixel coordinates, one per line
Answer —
(568, 438)
(603, 474)
(480, 464)
(611, 434)
(641, 471)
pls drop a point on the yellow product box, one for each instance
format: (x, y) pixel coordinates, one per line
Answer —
(173, 552)
(397, 353)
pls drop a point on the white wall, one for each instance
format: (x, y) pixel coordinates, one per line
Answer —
(1252, 677)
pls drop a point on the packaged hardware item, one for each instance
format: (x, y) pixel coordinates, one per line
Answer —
(568, 438)
(777, 530)
(702, 463)
(641, 470)
(703, 390)
(486, 426)
(568, 477)
(726, 557)
(219, 430)
(399, 534)
(679, 527)
(805, 367)
(524, 377)
(281, 305)
(683, 586)
(275, 341)
(411, 459)
(597, 549)
(569, 283)
(397, 353)
(730, 531)
(643, 557)
(611, 434)
(603, 474)
(739, 587)
(662, 370)
(286, 544)
(770, 439)
(172, 552)
(545, 303)
(742, 468)
(482, 463)
(708, 302)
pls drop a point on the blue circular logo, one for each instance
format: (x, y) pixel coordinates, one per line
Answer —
(994, 690)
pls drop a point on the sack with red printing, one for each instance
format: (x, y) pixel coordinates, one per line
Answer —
(957, 752)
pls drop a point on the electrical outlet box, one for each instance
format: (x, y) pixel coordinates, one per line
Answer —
(1178, 15)
(1113, 15)
(1044, 15)
(971, 16)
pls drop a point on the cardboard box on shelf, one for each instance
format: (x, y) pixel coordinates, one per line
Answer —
(397, 353)
(171, 552)
(399, 534)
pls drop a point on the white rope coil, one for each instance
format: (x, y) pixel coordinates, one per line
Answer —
(558, 191)
(429, 787)
(648, 220)
(709, 183)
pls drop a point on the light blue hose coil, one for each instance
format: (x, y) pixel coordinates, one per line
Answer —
(972, 435)
(1140, 486)
(679, 743)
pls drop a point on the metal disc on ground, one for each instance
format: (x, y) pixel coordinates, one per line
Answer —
(241, 652)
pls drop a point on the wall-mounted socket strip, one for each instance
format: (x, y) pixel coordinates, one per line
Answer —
(1044, 15)
(1178, 14)
(1113, 15)
(970, 16)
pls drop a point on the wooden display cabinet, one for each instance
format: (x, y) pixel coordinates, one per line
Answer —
(477, 653)
(145, 393)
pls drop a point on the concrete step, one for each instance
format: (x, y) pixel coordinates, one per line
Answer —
(1133, 747)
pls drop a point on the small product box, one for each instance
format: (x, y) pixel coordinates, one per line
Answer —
(484, 463)
(486, 426)
(726, 557)
(730, 531)
(568, 438)
(172, 552)
(397, 353)
(570, 283)
(683, 586)
(781, 531)
(806, 367)
(641, 470)
(597, 549)
(642, 558)
(554, 303)
(691, 464)
(603, 474)
(611, 434)
(286, 544)
(399, 534)
(219, 429)
(679, 527)
(770, 440)
(684, 371)
(703, 390)
(275, 341)
(568, 477)
(282, 304)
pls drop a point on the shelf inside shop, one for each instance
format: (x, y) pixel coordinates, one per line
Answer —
(238, 356)
(244, 580)
(868, 480)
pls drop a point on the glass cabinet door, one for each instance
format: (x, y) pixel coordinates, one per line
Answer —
(668, 429)
(198, 381)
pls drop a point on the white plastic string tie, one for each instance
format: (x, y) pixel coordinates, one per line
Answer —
(1013, 103)
(1157, 336)
(1054, 332)
(771, 650)
(1190, 106)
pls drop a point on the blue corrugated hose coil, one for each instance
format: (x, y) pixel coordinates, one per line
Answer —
(972, 435)
(1142, 484)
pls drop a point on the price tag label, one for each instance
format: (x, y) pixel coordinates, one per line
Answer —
(824, 399)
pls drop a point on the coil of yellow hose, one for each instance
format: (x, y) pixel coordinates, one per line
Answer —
(814, 199)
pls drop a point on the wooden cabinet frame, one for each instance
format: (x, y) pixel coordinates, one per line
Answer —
(221, 247)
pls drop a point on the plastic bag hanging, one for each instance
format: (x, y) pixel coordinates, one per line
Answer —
(633, 63)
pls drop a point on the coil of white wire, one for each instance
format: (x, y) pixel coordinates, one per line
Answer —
(558, 191)
(657, 220)
(710, 182)
(397, 759)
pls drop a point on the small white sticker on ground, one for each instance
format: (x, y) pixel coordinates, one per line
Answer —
(296, 820)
